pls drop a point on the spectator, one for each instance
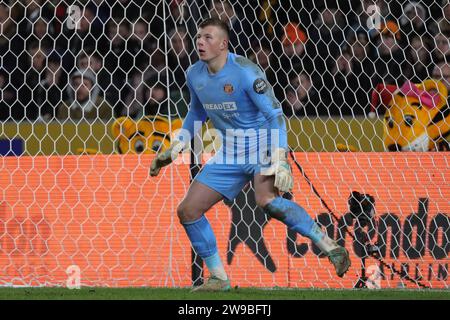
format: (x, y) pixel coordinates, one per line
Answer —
(264, 58)
(140, 31)
(136, 100)
(31, 11)
(442, 48)
(83, 61)
(134, 9)
(8, 29)
(342, 86)
(391, 65)
(36, 8)
(115, 66)
(84, 34)
(326, 38)
(157, 100)
(7, 96)
(156, 71)
(413, 21)
(363, 70)
(294, 57)
(51, 88)
(351, 77)
(103, 9)
(365, 15)
(442, 72)
(40, 31)
(442, 23)
(141, 42)
(351, 81)
(136, 97)
(178, 14)
(117, 44)
(420, 59)
(387, 8)
(92, 60)
(261, 55)
(294, 44)
(13, 51)
(302, 99)
(272, 16)
(125, 54)
(153, 101)
(84, 102)
(88, 34)
(179, 58)
(30, 95)
(136, 93)
(90, 30)
(241, 31)
(159, 104)
(327, 35)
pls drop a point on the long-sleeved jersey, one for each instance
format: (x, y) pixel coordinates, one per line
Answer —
(240, 104)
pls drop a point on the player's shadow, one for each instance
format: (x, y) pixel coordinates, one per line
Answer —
(247, 225)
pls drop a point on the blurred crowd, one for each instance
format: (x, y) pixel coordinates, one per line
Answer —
(104, 59)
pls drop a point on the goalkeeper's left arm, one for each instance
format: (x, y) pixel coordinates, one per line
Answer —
(262, 95)
(196, 113)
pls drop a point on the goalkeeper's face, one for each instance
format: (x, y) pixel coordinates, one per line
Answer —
(211, 43)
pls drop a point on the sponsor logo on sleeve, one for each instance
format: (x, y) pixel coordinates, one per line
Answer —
(260, 86)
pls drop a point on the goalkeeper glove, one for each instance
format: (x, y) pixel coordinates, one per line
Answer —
(166, 157)
(282, 171)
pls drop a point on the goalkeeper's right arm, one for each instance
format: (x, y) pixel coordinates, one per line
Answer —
(196, 113)
(166, 157)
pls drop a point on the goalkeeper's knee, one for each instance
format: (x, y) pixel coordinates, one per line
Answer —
(187, 212)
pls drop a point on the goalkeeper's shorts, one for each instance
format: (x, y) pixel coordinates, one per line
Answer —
(227, 179)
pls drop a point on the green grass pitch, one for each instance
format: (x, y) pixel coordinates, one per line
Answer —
(235, 294)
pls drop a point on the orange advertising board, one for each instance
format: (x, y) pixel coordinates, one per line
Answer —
(104, 215)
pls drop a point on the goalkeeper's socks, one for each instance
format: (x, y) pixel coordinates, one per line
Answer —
(201, 236)
(297, 219)
(326, 244)
(204, 243)
(215, 266)
(294, 216)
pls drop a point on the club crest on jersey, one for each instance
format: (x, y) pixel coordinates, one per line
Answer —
(228, 88)
(260, 85)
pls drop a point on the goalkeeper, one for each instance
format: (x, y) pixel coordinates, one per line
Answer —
(233, 93)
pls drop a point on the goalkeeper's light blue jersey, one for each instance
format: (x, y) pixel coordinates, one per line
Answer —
(236, 97)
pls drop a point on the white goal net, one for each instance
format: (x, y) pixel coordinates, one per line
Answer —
(90, 90)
